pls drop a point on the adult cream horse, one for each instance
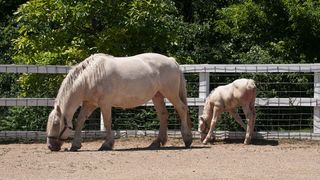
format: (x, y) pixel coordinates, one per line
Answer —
(241, 92)
(105, 81)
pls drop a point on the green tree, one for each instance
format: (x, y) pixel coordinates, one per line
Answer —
(284, 31)
(66, 32)
(199, 31)
(8, 85)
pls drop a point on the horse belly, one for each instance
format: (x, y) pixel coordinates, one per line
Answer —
(133, 97)
(130, 101)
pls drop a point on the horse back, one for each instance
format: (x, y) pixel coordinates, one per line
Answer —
(131, 81)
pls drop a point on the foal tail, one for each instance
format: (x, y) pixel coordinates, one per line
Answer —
(183, 96)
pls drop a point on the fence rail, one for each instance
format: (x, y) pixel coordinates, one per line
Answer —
(292, 101)
(203, 70)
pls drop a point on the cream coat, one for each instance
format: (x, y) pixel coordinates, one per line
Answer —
(241, 92)
(105, 81)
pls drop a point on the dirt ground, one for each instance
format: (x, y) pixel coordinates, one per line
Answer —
(268, 159)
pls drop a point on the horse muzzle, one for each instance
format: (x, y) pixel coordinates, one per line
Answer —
(54, 144)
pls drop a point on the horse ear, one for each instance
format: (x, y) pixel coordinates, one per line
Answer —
(58, 110)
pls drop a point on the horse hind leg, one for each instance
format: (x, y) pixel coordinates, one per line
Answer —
(182, 110)
(236, 116)
(251, 118)
(109, 141)
(162, 112)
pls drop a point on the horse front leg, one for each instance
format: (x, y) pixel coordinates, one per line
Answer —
(159, 105)
(109, 141)
(210, 136)
(85, 112)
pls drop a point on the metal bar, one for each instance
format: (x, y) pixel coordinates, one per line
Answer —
(316, 109)
(188, 68)
(204, 84)
(41, 135)
(39, 69)
(250, 68)
(293, 101)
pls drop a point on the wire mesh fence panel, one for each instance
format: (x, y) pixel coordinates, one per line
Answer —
(287, 102)
(290, 118)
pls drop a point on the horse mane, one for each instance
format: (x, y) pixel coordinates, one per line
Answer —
(73, 75)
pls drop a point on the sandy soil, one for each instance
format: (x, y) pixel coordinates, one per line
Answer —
(131, 160)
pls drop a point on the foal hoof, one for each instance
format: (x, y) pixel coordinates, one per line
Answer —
(210, 141)
(205, 142)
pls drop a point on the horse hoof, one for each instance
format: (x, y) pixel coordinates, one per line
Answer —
(187, 139)
(105, 148)
(188, 143)
(154, 145)
(74, 149)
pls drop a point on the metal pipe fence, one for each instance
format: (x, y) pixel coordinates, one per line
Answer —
(287, 104)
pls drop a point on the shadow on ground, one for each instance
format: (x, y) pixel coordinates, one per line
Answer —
(260, 142)
(165, 148)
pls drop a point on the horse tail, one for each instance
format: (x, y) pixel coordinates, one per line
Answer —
(253, 88)
(183, 96)
(183, 91)
(251, 84)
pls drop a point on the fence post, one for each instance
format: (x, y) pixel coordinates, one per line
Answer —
(102, 128)
(204, 83)
(316, 109)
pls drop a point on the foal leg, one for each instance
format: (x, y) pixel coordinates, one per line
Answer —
(159, 105)
(251, 118)
(215, 117)
(109, 141)
(236, 116)
(85, 112)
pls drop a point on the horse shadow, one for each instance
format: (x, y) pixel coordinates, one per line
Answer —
(254, 142)
(198, 145)
(164, 148)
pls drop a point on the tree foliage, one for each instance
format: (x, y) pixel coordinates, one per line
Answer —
(199, 31)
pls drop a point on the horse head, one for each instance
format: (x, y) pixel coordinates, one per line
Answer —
(57, 129)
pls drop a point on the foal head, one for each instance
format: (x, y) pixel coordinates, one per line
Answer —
(204, 126)
(57, 129)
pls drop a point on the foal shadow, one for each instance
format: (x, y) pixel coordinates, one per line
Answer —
(258, 142)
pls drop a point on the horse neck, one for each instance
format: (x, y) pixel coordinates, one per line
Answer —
(71, 102)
